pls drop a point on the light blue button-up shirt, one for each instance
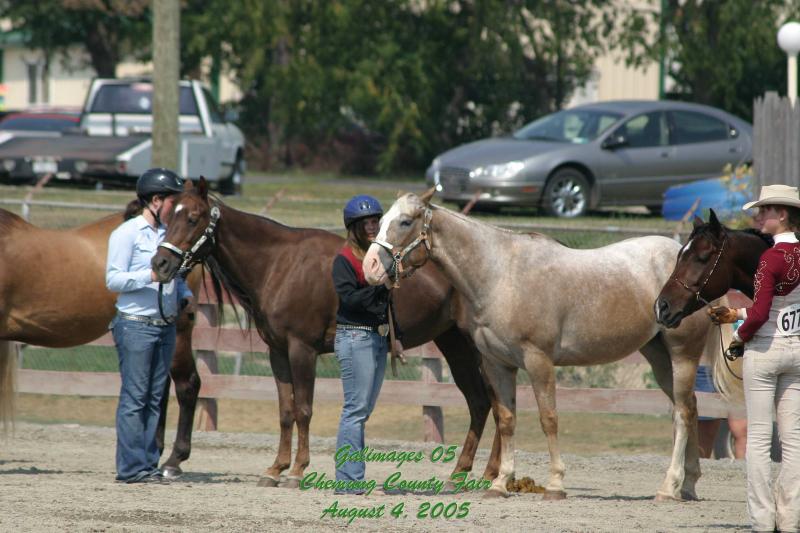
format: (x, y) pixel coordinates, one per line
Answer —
(130, 248)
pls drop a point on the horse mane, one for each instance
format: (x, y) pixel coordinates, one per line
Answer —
(10, 221)
(223, 285)
(766, 237)
(706, 231)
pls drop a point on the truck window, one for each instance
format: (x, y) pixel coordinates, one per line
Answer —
(213, 108)
(136, 98)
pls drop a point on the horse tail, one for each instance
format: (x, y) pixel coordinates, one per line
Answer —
(727, 374)
(8, 367)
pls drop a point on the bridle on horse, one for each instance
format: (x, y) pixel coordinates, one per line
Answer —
(696, 293)
(398, 257)
(700, 299)
(188, 259)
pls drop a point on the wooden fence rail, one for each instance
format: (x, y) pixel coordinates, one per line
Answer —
(429, 393)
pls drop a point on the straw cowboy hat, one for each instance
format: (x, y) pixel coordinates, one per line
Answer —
(776, 195)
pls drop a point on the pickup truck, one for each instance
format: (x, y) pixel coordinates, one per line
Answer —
(113, 140)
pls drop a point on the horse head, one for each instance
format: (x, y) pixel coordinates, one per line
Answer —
(190, 232)
(703, 273)
(397, 249)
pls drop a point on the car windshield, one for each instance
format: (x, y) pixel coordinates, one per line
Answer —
(137, 98)
(577, 126)
(38, 123)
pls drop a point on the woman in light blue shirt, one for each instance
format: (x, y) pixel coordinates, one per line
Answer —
(144, 327)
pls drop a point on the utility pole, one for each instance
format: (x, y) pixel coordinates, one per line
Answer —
(166, 61)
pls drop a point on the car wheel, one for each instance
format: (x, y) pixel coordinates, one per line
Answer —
(232, 185)
(566, 194)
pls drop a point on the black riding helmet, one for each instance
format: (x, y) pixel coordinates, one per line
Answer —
(158, 181)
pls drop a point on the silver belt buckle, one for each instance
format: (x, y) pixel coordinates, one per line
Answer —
(383, 330)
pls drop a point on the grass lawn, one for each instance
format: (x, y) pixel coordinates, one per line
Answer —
(307, 200)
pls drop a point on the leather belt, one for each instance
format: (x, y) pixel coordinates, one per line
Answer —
(150, 321)
(382, 329)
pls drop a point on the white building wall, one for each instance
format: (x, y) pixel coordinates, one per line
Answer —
(69, 83)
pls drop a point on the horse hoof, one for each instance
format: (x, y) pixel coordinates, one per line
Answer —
(449, 487)
(662, 497)
(689, 496)
(554, 495)
(267, 481)
(493, 493)
(171, 472)
(290, 483)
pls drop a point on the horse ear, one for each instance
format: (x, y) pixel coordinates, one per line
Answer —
(400, 193)
(427, 195)
(202, 188)
(188, 185)
(697, 222)
(716, 226)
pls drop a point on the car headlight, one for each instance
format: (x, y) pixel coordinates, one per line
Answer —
(501, 172)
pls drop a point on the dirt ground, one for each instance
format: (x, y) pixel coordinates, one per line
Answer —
(61, 478)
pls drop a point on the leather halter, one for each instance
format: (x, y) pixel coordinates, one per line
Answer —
(399, 256)
(188, 257)
(696, 293)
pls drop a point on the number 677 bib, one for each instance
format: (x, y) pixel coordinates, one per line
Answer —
(789, 320)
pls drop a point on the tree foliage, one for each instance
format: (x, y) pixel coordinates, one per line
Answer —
(722, 53)
(107, 29)
(413, 77)
(406, 79)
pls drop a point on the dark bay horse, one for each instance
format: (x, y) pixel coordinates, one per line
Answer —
(52, 293)
(532, 303)
(282, 278)
(713, 260)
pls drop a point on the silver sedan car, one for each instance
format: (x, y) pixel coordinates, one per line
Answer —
(609, 153)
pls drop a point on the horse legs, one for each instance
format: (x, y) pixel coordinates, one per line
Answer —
(8, 366)
(543, 379)
(657, 355)
(283, 379)
(187, 388)
(493, 464)
(303, 360)
(464, 361)
(684, 468)
(503, 380)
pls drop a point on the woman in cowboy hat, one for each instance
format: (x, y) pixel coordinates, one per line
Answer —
(769, 338)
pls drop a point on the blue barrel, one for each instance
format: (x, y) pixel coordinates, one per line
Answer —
(715, 193)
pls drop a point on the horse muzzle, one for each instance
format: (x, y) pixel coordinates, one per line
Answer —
(165, 265)
(378, 265)
(665, 315)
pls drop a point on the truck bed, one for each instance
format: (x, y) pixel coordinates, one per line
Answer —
(69, 147)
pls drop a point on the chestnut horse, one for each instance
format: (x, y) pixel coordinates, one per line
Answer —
(282, 278)
(53, 291)
(532, 303)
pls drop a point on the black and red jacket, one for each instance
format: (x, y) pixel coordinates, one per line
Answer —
(360, 304)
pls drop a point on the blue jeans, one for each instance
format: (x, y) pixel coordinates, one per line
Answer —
(145, 354)
(362, 359)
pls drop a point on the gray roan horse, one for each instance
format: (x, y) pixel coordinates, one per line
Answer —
(534, 304)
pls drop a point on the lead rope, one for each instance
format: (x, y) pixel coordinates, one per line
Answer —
(727, 355)
(168, 320)
(392, 338)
